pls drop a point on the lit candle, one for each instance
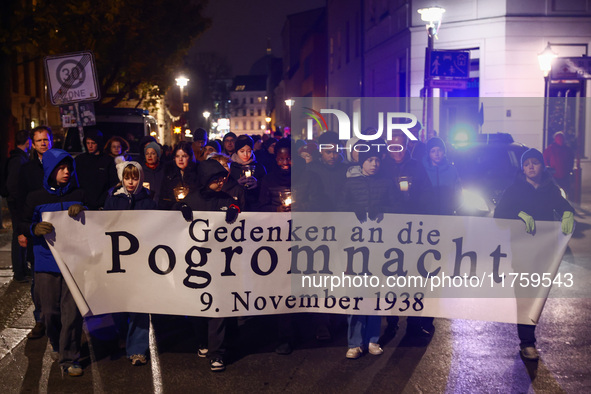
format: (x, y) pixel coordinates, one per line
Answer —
(247, 173)
(146, 185)
(404, 186)
(287, 201)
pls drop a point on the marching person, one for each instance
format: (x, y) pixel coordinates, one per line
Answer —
(533, 197)
(129, 194)
(210, 197)
(247, 171)
(180, 177)
(368, 194)
(153, 169)
(58, 310)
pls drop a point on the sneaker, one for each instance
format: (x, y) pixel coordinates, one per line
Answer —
(75, 370)
(37, 332)
(137, 360)
(202, 353)
(354, 352)
(375, 349)
(217, 365)
(530, 353)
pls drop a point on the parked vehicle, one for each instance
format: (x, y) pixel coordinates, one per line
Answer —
(487, 166)
(129, 123)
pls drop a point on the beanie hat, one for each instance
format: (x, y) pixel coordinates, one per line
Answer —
(155, 146)
(215, 145)
(283, 143)
(200, 135)
(350, 144)
(230, 134)
(328, 137)
(436, 141)
(242, 141)
(532, 154)
(373, 151)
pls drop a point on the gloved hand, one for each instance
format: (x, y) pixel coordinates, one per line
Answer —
(232, 213)
(568, 222)
(75, 209)
(361, 216)
(187, 212)
(375, 215)
(43, 228)
(530, 224)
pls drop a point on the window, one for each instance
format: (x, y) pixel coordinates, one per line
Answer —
(244, 112)
(252, 100)
(259, 112)
(252, 125)
(259, 99)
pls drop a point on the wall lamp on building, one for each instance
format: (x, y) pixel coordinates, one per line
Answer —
(433, 17)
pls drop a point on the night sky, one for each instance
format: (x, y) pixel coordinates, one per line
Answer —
(240, 28)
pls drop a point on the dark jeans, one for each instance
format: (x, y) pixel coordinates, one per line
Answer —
(60, 314)
(216, 334)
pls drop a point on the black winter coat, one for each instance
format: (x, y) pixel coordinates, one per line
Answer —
(419, 196)
(375, 193)
(155, 177)
(172, 179)
(118, 200)
(17, 159)
(330, 182)
(96, 175)
(543, 203)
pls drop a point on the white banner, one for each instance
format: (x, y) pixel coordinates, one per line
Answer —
(270, 263)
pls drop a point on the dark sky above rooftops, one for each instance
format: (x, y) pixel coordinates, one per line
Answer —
(240, 28)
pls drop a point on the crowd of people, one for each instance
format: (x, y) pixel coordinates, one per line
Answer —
(238, 174)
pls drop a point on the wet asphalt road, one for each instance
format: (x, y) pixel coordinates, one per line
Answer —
(462, 356)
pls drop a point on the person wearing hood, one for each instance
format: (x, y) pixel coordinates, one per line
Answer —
(153, 169)
(444, 178)
(534, 197)
(129, 194)
(210, 197)
(59, 312)
(96, 170)
(247, 171)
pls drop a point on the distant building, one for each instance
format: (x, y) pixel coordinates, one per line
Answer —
(249, 103)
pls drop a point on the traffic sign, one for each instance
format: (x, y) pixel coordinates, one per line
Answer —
(571, 68)
(72, 78)
(449, 83)
(451, 64)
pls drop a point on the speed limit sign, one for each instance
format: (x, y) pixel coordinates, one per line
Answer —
(72, 78)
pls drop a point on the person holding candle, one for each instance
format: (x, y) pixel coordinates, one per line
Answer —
(153, 169)
(246, 170)
(209, 196)
(180, 178)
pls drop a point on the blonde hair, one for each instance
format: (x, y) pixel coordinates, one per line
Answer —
(130, 171)
(220, 157)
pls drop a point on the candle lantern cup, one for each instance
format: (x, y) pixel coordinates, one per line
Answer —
(286, 198)
(404, 183)
(180, 192)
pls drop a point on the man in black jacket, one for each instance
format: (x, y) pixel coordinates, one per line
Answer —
(96, 171)
(18, 157)
(31, 179)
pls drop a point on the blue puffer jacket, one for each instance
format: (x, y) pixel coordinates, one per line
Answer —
(118, 200)
(50, 199)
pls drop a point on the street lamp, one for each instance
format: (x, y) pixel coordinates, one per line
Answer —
(433, 17)
(268, 120)
(206, 115)
(290, 103)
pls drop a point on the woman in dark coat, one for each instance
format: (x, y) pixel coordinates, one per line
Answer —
(250, 181)
(180, 176)
(153, 168)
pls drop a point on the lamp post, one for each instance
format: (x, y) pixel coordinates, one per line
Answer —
(181, 82)
(432, 16)
(268, 120)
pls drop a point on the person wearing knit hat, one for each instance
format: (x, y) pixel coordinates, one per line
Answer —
(153, 168)
(228, 142)
(533, 196)
(309, 152)
(212, 147)
(532, 153)
(368, 195)
(444, 178)
(199, 142)
(246, 170)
